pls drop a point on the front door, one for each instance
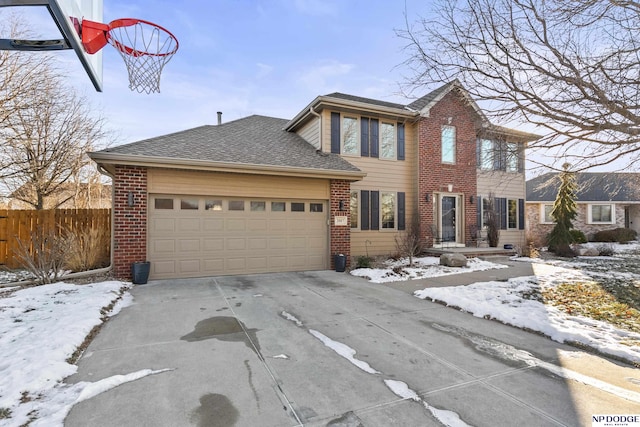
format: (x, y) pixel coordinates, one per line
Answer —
(448, 218)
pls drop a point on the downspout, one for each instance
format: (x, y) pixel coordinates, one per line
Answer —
(319, 116)
(103, 171)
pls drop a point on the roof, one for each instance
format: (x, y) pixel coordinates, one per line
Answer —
(256, 141)
(592, 187)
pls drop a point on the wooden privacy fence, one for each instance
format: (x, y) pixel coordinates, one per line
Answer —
(21, 224)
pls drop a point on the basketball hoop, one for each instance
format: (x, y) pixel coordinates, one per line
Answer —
(144, 46)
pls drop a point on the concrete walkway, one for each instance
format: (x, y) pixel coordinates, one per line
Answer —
(329, 349)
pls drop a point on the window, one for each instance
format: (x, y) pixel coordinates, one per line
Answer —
(388, 210)
(487, 207)
(315, 207)
(601, 214)
(278, 206)
(353, 209)
(297, 207)
(512, 214)
(545, 214)
(213, 205)
(350, 143)
(448, 144)
(189, 204)
(485, 159)
(163, 203)
(387, 141)
(511, 154)
(236, 205)
(258, 206)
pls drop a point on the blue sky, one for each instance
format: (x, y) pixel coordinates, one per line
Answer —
(253, 57)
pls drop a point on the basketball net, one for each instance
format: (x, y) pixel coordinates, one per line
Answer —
(145, 49)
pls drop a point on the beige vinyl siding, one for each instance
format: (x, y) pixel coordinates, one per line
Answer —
(311, 132)
(506, 185)
(383, 176)
(169, 181)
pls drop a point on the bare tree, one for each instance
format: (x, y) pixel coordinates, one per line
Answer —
(411, 243)
(569, 67)
(45, 129)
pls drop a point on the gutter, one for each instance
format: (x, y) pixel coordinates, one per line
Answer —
(207, 165)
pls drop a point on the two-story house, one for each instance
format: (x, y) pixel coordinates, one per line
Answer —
(345, 175)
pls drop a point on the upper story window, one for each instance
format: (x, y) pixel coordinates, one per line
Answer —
(350, 134)
(500, 155)
(448, 138)
(601, 214)
(485, 156)
(387, 141)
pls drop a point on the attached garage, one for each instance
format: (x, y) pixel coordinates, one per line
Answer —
(191, 236)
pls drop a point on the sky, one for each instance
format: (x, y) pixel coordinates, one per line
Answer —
(252, 57)
(244, 57)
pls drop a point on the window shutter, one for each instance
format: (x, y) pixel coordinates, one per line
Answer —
(401, 142)
(502, 212)
(374, 138)
(335, 133)
(479, 223)
(521, 214)
(375, 210)
(478, 153)
(364, 206)
(364, 137)
(401, 212)
(521, 158)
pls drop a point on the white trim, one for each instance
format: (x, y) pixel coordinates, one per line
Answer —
(542, 213)
(590, 217)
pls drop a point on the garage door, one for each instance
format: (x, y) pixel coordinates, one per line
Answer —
(202, 236)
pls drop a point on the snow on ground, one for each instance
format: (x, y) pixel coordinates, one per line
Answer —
(40, 328)
(506, 302)
(423, 267)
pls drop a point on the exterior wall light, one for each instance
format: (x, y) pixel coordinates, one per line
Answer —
(130, 201)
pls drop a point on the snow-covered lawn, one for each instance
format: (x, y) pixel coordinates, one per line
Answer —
(423, 267)
(40, 328)
(547, 302)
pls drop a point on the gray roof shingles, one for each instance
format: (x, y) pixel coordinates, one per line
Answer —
(253, 140)
(592, 187)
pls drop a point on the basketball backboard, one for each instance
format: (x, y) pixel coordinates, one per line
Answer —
(68, 16)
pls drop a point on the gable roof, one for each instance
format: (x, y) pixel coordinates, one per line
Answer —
(255, 143)
(592, 187)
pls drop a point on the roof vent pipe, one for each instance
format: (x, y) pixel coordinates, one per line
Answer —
(219, 117)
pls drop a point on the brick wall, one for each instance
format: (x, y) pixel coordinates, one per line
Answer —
(540, 231)
(340, 234)
(130, 223)
(433, 175)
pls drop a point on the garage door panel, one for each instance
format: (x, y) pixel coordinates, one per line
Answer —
(189, 266)
(258, 243)
(212, 224)
(213, 245)
(163, 267)
(163, 246)
(189, 224)
(193, 243)
(163, 224)
(189, 245)
(235, 244)
(235, 224)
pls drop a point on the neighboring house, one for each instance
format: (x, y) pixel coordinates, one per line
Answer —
(345, 176)
(605, 201)
(68, 196)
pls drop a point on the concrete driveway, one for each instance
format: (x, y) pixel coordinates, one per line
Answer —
(329, 349)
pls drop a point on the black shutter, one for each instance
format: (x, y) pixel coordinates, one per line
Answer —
(502, 212)
(364, 206)
(521, 214)
(375, 210)
(335, 133)
(401, 142)
(374, 138)
(401, 212)
(479, 223)
(364, 137)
